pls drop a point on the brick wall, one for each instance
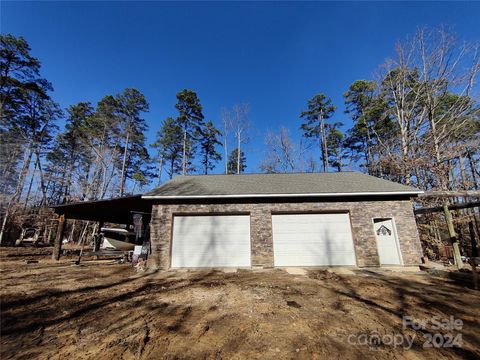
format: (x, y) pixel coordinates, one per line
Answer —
(361, 214)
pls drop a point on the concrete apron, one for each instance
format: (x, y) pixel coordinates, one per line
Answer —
(304, 270)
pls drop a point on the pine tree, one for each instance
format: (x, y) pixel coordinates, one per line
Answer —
(358, 101)
(233, 162)
(131, 103)
(102, 135)
(35, 123)
(19, 71)
(27, 118)
(69, 149)
(369, 112)
(190, 119)
(319, 109)
(335, 144)
(208, 138)
(169, 145)
(20, 85)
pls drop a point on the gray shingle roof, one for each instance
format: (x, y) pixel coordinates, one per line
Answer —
(251, 185)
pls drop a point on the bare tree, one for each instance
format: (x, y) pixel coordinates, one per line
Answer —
(311, 165)
(283, 154)
(399, 87)
(240, 125)
(227, 125)
(428, 88)
(448, 72)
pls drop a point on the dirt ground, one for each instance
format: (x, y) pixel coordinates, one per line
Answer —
(105, 310)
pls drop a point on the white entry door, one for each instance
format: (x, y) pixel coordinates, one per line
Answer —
(211, 241)
(387, 244)
(312, 240)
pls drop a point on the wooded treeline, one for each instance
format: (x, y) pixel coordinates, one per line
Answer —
(417, 122)
(101, 150)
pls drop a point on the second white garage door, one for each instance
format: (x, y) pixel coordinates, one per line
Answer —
(211, 241)
(312, 240)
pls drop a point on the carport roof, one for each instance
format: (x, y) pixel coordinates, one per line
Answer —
(117, 210)
(278, 185)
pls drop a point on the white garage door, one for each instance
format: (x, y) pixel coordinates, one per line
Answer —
(211, 241)
(312, 240)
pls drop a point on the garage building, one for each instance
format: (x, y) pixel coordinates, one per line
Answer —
(282, 220)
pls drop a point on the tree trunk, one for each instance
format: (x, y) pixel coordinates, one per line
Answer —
(122, 179)
(66, 194)
(49, 235)
(72, 232)
(436, 148)
(97, 238)
(4, 224)
(59, 237)
(453, 236)
(327, 165)
(30, 187)
(324, 144)
(23, 175)
(239, 153)
(160, 170)
(172, 168)
(42, 182)
(84, 232)
(107, 182)
(472, 170)
(463, 176)
(184, 158)
(225, 149)
(473, 242)
(417, 175)
(405, 150)
(206, 162)
(369, 150)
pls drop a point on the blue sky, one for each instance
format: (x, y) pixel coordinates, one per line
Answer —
(274, 56)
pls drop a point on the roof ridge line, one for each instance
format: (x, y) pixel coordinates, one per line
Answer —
(289, 173)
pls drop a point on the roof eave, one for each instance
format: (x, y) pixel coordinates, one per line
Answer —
(244, 196)
(99, 201)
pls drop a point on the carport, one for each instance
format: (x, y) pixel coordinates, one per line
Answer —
(116, 210)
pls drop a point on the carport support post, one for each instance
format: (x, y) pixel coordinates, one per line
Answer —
(59, 237)
(472, 239)
(453, 236)
(97, 236)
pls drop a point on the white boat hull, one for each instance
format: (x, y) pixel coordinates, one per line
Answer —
(112, 244)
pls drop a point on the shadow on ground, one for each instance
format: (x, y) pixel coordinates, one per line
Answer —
(107, 311)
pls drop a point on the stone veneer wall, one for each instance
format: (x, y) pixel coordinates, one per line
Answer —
(361, 215)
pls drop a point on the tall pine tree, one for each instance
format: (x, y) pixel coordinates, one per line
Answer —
(319, 109)
(190, 119)
(209, 140)
(69, 150)
(131, 103)
(169, 145)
